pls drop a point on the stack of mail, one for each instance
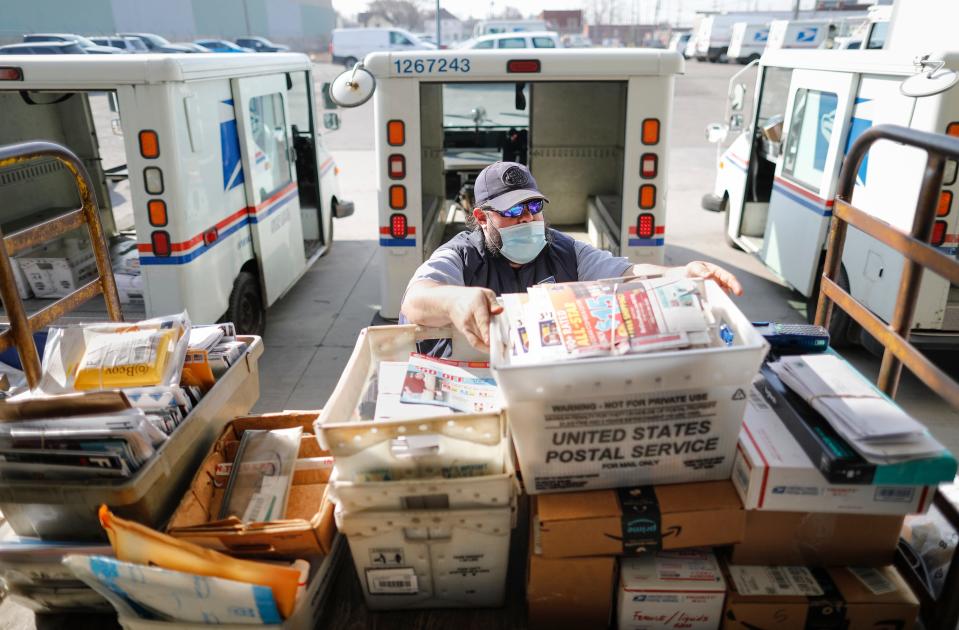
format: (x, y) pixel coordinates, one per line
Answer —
(872, 424)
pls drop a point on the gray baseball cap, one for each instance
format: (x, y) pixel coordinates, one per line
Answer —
(505, 184)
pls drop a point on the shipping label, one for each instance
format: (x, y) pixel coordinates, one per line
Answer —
(874, 580)
(756, 580)
(400, 581)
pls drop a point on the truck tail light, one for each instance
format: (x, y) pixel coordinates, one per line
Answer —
(156, 212)
(149, 144)
(648, 165)
(651, 131)
(161, 243)
(523, 65)
(647, 196)
(398, 227)
(153, 180)
(938, 234)
(11, 73)
(945, 203)
(395, 133)
(397, 166)
(397, 197)
(645, 225)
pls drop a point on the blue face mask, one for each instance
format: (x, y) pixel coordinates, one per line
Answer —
(524, 241)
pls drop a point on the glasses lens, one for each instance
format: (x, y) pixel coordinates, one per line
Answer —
(513, 212)
(535, 206)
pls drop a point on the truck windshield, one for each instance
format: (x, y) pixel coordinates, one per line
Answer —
(487, 106)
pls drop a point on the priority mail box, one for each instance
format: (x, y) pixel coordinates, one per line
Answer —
(773, 472)
(671, 589)
(629, 521)
(795, 598)
(815, 539)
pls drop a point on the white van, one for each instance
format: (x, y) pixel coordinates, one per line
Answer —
(489, 27)
(533, 39)
(777, 180)
(212, 164)
(349, 45)
(798, 34)
(747, 42)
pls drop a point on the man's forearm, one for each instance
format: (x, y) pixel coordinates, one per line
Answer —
(427, 303)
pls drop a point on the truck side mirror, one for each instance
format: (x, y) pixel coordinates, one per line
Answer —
(327, 101)
(738, 97)
(716, 132)
(331, 121)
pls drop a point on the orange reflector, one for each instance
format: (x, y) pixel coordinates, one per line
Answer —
(395, 133)
(11, 73)
(953, 129)
(397, 166)
(938, 233)
(398, 227)
(945, 203)
(648, 165)
(651, 131)
(397, 197)
(645, 225)
(161, 243)
(647, 196)
(523, 65)
(149, 144)
(156, 211)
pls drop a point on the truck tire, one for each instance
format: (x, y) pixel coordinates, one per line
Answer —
(246, 309)
(349, 62)
(839, 324)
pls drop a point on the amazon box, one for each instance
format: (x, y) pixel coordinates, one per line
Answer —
(629, 521)
(307, 528)
(570, 592)
(814, 539)
(671, 589)
(794, 598)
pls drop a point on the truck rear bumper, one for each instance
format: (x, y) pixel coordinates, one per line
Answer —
(711, 202)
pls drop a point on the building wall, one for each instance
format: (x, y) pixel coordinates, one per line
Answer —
(305, 25)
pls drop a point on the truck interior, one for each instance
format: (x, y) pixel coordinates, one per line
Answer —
(88, 124)
(466, 126)
(304, 133)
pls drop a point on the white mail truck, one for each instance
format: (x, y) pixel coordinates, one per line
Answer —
(747, 42)
(592, 124)
(213, 163)
(777, 179)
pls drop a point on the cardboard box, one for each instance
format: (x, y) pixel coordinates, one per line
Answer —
(308, 528)
(570, 592)
(772, 597)
(773, 472)
(633, 520)
(812, 539)
(59, 268)
(671, 589)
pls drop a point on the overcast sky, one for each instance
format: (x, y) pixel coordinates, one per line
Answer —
(644, 10)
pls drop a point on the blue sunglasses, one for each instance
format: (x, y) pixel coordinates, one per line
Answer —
(535, 207)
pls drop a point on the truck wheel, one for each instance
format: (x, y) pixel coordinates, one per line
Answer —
(724, 208)
(349, 62)
(246, 305)
(840, 322)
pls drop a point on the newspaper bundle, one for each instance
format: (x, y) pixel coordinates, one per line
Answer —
(608, 317)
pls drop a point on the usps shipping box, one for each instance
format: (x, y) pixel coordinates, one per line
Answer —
(671, 589)
(59, 268)
(773, 472)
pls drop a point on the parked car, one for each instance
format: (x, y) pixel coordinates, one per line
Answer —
(79, 40)
(126, 44)
(43, 48)
(533, 39)
(156, 43)
(222, 46)
(576, 41)
(193, 47)
(261, 44)
(351, 44)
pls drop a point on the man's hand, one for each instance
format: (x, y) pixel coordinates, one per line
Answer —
(469, 309)
(470, 312)
(709, 271)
